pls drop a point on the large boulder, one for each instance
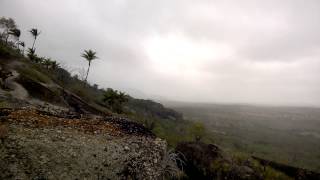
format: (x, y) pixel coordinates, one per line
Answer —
(207, 161)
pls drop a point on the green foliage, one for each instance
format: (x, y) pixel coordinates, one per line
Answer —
(31, 54)
(169, 164)
(173, 131)
(49, 64)
(4, 104)
(197, 130)
(270, 174)
(151, 109)
(148, 122)
(33, 74)
(7, 51)
(89, 55)
(115, 100)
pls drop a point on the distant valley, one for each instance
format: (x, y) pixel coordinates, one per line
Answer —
(285, 134)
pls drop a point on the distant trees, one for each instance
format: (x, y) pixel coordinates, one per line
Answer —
(89, 55)
(35, 33)
(49, 64)
(115, 100)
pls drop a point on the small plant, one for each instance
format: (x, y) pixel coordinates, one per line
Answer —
(31, 54)
(170, 162)
(197, 130)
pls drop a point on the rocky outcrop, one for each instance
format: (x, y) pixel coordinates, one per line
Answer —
(41, 91)
(38, 145)
(55, 94)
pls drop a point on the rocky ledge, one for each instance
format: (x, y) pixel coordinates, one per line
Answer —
(37, 145)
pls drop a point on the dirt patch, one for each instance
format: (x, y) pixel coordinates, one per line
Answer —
(35, 119)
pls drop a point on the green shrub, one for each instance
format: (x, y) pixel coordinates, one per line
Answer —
(9, 52)
(197, 130)
(115, 100)
(270, 174)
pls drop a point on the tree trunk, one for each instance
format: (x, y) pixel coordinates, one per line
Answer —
(87, 71)
(34, 41)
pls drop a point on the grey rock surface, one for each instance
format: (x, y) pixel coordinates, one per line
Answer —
(62, 152)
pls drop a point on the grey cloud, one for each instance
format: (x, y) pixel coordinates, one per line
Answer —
(275, 45)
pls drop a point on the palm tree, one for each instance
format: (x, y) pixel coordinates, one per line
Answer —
(89, 55)
(35, 33)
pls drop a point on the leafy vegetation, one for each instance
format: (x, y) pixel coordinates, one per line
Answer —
(9, 51)
(197, 130)
(34, 75)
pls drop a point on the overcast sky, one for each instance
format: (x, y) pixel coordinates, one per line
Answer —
(265, 52)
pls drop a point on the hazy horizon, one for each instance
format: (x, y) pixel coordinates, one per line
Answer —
(238, 52)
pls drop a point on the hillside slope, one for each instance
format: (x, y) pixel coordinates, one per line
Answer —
(49, 132)
(55, 126)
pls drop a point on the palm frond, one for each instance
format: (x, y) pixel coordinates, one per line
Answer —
(35, 32)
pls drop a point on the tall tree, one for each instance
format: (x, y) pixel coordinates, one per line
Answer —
(89, 55)
(35, 33)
